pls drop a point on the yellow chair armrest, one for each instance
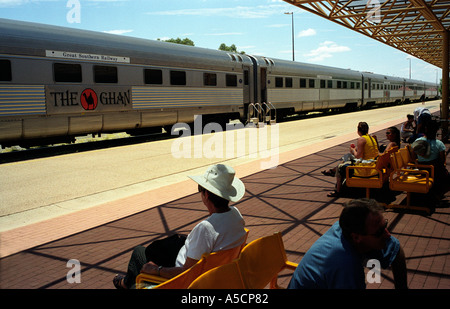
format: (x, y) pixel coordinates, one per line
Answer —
(362, 167)
(150, 278)
(409, 171)
(291, 265)
(274, 282)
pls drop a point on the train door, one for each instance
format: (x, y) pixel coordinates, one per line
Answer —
(247, 89)
(404, 91)
(324, 94)
(387, 93)
(263, 85)
(369, 88)
(363, 87)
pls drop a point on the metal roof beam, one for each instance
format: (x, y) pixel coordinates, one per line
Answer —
(413, 26)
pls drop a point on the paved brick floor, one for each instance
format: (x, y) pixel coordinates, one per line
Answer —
(291, 199)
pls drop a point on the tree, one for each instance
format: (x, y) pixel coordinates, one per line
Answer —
(231, 48)
(184, 41)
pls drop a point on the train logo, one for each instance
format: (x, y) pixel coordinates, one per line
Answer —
(89, 99)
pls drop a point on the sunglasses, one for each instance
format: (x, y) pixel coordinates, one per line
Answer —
(380, 231)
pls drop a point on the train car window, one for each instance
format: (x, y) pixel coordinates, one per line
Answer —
(302, 83)
(344, 85)
(178, 78)
(5, 70)
(289, 82)
(209, 79)
(312, 83)
(322, 83)
(246, 77)
(105, 74)
(330, 84)
(152, 76)
(352, 85)
(231, 80)
(67, 72)
(358, 86)
(279, 82)
(339, 84)
(365, 86)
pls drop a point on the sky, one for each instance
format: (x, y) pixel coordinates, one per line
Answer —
(257, 27)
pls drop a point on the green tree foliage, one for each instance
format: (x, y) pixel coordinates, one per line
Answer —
(231, 48)
(185, 41)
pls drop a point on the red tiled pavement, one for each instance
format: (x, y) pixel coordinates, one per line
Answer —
(291, 199)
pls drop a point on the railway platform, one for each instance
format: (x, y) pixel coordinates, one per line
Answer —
(291, 199)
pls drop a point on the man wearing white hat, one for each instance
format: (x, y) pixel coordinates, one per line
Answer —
(222, 230)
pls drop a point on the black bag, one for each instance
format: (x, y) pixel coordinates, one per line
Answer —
(163, 252)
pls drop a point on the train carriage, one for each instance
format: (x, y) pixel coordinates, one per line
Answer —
(57, 83)
(414, 89)
(374, 89)
(300, 88)
(61, 82)
(431, 91)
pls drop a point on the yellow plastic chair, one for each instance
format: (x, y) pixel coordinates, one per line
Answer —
(409, 177)
(258, 266)
(380, 175)
(262, 260)
(183, 280)
(227, 276)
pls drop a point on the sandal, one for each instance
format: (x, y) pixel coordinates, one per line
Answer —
(118, 282)
(329, 173)
(333, 194)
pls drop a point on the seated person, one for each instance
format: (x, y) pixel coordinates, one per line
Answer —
(337, 259)
(431, 151)
(393, 136)
(408, 128)
(366, 149)
(421, 116)
(223, 229)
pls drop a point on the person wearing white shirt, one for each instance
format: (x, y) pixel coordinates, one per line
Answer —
(223, 229)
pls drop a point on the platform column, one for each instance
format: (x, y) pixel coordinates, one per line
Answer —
(445, 84)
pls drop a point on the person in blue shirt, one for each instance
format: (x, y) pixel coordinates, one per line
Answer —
(337, 259)
(431, 151)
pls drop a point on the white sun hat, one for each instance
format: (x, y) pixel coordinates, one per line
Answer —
(220, 179)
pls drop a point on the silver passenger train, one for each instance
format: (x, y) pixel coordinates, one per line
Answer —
(57, 83)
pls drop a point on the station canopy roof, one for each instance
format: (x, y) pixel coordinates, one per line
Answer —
(415, 27)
